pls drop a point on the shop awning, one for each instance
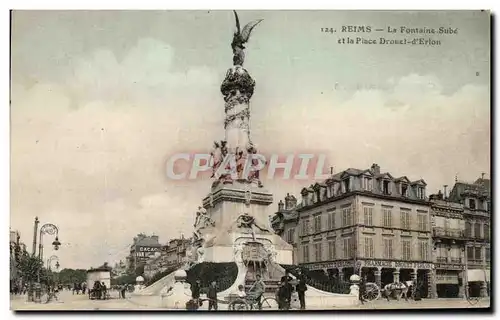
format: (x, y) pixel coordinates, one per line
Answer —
(478, 275)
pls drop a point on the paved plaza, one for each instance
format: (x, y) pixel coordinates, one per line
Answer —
(68, 301)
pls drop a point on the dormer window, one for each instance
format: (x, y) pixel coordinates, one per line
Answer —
(420, 192)
(346, 185)
(385, 187)
(472, 204)
(367, 184)
(404, 190)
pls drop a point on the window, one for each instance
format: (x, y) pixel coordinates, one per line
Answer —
(387, 218)
(317, 251)
(347, 248)
(346, 217)
(468, 229)
(472, 204)
(406, 249)
(486, 231)
(305, 227)
(368, 216)
(388, 248)
(317, 223)
(420, 193)
(404, 189)
(331, 220)
(290, 235)
(487, 254)
(305, 253)
(369, 253)
(346, 185)
(385, 187)
(477, 230)
(477, 254)
(470, 253)
(367, 184)
(331, 250)
(422, 222)
(405, 219)
(423, 250)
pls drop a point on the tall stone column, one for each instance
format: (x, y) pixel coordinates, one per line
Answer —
(461, 287)
(395, 274)
(378, 277)
(484, 289)
(237, 88)
(431, 283)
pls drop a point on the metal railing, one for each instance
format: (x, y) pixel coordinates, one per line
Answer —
(450, 233)
(456, 260)
(442, 259)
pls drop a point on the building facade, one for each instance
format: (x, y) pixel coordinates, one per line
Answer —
(142, 248)
(362, 221)
(476, 201)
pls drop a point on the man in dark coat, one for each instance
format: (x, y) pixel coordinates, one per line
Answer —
(212, 295)
(301, 290)
(195, 290)
(285, 294)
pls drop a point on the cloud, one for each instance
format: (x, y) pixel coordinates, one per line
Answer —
(88, 154)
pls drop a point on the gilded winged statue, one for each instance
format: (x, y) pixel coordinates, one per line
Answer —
(240, 38)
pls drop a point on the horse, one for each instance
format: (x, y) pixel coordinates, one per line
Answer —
(402, 287)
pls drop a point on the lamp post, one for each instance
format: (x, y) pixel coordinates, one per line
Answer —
(466, 272)
(50, 229)
(49, 265)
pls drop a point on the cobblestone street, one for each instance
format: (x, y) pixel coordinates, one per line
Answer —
(67, 301)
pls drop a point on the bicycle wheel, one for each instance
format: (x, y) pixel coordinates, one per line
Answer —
(238, 305)
(269, 303)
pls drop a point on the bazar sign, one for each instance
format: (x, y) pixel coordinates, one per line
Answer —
(398, 264)
(329, 265)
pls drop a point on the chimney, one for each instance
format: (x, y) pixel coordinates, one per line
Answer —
(482, 175)
(444, 196)
(281, 205)
(375, 169)
(331, 171)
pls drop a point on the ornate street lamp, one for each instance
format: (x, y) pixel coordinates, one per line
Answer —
(50, 229)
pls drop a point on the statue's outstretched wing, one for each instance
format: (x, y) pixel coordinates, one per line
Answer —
(237, 22)
(245, 33)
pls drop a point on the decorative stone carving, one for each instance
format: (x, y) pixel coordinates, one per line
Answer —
(179, 294)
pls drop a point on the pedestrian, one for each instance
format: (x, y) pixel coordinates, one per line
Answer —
(362, 289)
(212, 296)
(195, 290)
(284, 294)
(301, 290)
(104, 291)
(123, 289)
(258, 289)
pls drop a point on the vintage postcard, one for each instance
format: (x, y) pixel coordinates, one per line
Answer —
(250, 160)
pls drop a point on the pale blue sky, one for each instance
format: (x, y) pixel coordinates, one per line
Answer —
(101, 99)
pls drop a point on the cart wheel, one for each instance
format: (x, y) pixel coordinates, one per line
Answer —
(269, 303)
(372, 292)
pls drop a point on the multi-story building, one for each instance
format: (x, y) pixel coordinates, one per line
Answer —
(176, 252)
(142, 248)
(362, 220)
(476, 201)
(448, 230)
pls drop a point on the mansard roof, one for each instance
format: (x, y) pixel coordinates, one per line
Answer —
(402, 179)
(385, 175)
(419, 182)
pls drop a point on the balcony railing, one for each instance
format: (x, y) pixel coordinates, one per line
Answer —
(442, 259)
(456, 260)
(449, 233)
(475, 261)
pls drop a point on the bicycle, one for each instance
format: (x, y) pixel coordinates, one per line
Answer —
(251, 302)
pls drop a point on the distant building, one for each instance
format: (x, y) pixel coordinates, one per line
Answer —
(142, 248)
(363, 221)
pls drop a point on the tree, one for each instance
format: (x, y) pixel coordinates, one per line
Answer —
(30, 267)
